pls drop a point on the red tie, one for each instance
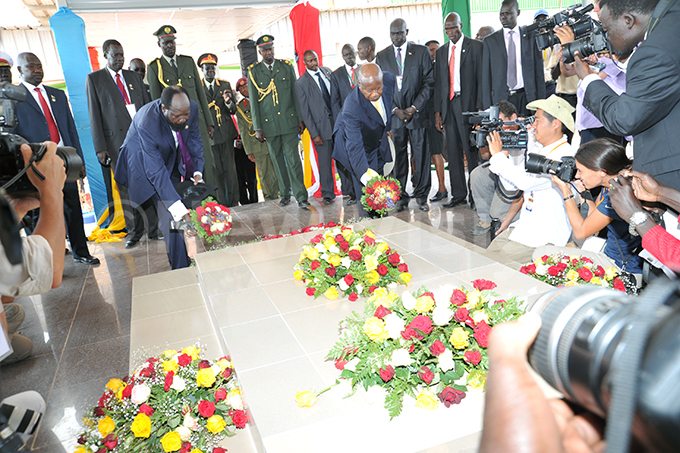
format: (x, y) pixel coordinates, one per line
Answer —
(54, 130)
(352, 77)
(121, 88)
(452, 72)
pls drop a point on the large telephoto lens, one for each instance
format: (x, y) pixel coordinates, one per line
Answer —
(583, 46)
(581, 343)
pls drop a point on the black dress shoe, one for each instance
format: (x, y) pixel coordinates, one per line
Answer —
(327, 201)
(351, 201)
(131, 243)
(454, 202)
(423, 207)
(401, 207)
(304, 204)
(156, 237)
(439, 196)
(284, 202)
(91, 260)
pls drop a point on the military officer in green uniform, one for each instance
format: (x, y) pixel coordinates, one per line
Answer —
(257, 151)
(171, 69)
(276, 118)
(222, 105)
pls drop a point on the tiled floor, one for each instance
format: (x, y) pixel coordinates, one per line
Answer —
(81, 330)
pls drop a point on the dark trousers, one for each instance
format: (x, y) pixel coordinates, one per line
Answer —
(73, 214)
(588, 135)
(519, 100)
(247, 177)
(145, 219)
(346, 180)
(420, 152)
(326, 176)
(457, 146)
(174, 239)
(225, 174)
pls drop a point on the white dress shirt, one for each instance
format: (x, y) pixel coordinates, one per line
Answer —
(349, 68)
(169, 60)
(456, 68)
(325, 79)
(518, 53)
(31, 89)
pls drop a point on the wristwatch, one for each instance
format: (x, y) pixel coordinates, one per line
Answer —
(638, 218)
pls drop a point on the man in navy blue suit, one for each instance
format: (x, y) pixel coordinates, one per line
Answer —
(361, 129)
(46, 116)
(162, 146)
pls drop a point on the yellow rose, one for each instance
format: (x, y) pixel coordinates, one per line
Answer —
(196, 450)
(81, 449)
(216, 424)
(595, 281)
(334, 259)
(369, 233)
(169, 353)
(372, 277)
(371, 262)
(427, 400)
(405, 277)
(223, 364)
(571, 283)
(114, 384)
(141, 425)
(477, 379)
(331, 293)
(382, 246)
(382, 296)
(87, 421)
(106, 426)
(374, 328)
(305, 399)
(303, 256)
(424, 304)
(475, 299)
(170, 365)
(192, 351)
(312, 253)
(171, 441)
(205, 377)
(119, 393)
(329, 241)
(610, 273)
(572, 275)
(298, 275)
(459, 338)
(347, 233)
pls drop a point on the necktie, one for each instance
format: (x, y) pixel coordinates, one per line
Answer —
(452, 72)
(512, 62)
(211, 91)
(400, 64)
(324, 91)
(271, 67)
(378, 107)
(351, 77)
(121, 88)
(174, 66)
(54, 130)
(186, 157)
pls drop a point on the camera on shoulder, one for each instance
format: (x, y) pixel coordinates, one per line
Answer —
(489, 121)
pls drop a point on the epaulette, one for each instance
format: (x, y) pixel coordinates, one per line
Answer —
(153, 61)
(252, 65)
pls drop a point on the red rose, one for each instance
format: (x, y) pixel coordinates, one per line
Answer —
(574, 262)
(499, 301)
(482, 333)
(349, 279)
(240, 418)
(315, 265)
(381, 312)
(544, 258)
(523, 270)
(423, 324)
(353, 296)
(146, 409)
(369, 240)
(450, 396)
(411, 348)
(185, 448)
(101, 450)
(206, 408)
(226, 373)
(339, 237)
(219, 450)
(382, 269)
(437, 348)
(147, 372)
(531, 268)
(220, 395)
(599, 271)
(387, 373)
(316, 239)
(372, 288)
(461, 315)
(184, 360)
(203, 364)
(354, 255)
(458, 297)
(310, 291)
(340, 364)
(98, 412)
(82, 440)
(127, 391)
(330, 224)
(554, 271)
(403, 267)
(168, 380)
(618, 284)
(344, 246)
(585, 274)
(482, 284)
(394, 259)
(585, 259)
(473, 357)
(330, 271)
(426, 375)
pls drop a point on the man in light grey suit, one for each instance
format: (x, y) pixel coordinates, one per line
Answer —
(313, 92)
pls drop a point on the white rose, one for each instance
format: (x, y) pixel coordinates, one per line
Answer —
(446, 361)
(360, 288)
(346, 262)
(352, 364)
(234, 399)
(184, 433)
(140, 393)
(177, 384)
(441, 315)
(342, 285)
(204, 219)
(408, 300)
(479, 316)
(392, 285)
(334, 249)
(542, 269)
(324, 256)
(375, 394)
(394, 325)
(216, 369)
(320, 247)
(190, 422)
(400, 357)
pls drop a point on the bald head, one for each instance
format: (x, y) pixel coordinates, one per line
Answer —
(398, 32)
(370, 81)
(349, 55)
(484, 32)
(453, 27)
(311, 60)
(366, 49)
(30, 68)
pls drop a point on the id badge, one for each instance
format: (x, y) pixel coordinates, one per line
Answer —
(399, 80)
(529, 205)
(132, 110)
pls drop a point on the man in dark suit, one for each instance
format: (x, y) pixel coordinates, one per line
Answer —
(114, 96)
(343, 81)
(650, 108)
(412, 65)
(313, 90)
(221, 103)
(162, 146)
(458, 69)
(512, 67)
(171, 69)
(361, 128)
(46, 116)
(366, 49)
(137, 65)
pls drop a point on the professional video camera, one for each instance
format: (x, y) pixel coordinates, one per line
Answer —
(576, 17)
(12, 171)
(592, 43)
(617, 356)
(489, 122)
(564, 169)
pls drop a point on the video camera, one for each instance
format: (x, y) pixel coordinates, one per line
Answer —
(576, 17)
(12, 171)
(489, 122)
(564, 169)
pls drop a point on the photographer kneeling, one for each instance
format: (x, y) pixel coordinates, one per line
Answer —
(543, 219)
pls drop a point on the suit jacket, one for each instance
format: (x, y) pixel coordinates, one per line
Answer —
(650, 108)
(274, 115)
(33, 125)
(160, 74)
(360, 135)
(225, 131)
(109, 118)
(149, 155)
(417, 84)
(470, 77)
(495, 69)
(316, 116)
(340, 88)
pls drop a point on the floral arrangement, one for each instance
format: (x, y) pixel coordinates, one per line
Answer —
(211, 220)
(565, 270)
(381, 194)
(175, 402)
(307, 229)
(432, 348)
(351, 262)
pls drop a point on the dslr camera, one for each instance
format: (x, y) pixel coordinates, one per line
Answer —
(489, 122)
(576, 17)
(564, 169)
(12, 171)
